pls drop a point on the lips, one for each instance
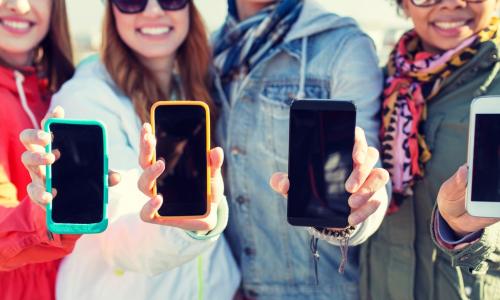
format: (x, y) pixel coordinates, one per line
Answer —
(154, 30)
(451, 28)
(16, 25)
(446, 25)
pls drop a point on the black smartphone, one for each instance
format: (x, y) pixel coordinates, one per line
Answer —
(321, 142)
(80, 176)
(182, 130)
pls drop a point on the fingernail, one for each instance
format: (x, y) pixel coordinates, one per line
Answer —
(281, 184)
(46, 197)
(349, 185)
(353, 219)
(157, 165)
(43, 135)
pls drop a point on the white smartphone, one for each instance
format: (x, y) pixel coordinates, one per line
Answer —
(483, 188)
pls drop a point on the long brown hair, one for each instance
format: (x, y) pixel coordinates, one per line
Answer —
(54, 55)
(139, 83)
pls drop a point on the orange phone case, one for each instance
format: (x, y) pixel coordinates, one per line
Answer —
(207, 118)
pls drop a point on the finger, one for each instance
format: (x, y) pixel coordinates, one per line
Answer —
(360, 146)
(216, 160)
(361, 214)
(114, 178)
(147, 146)
(217, 187)
(148, 177)
(216, 156)
(35, 140)
(150, 209)
(36, 159)
(377, 180)
(38, 194)
(57, 112)
(454, 188)
(361, 171)
(57, 153)
(279, 182)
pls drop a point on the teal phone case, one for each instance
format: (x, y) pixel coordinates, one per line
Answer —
(73, 228)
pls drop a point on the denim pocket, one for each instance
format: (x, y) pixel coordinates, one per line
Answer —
(275, 101)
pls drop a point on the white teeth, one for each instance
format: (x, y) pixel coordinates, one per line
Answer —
(16, 24)
(154, 30)
(450, 25)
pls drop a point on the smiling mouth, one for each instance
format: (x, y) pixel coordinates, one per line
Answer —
(16, 25)
(450, 25)
(155, 31)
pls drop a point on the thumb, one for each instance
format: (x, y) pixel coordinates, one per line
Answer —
(57, 112)
(454, 188)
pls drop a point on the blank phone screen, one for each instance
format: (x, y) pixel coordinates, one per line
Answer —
(321, 145)
(78, 174)
(181, 141)
(486, 164)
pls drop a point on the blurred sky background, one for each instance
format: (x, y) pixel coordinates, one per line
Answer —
(378, 18)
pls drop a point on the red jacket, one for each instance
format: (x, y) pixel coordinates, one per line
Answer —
(28, 259)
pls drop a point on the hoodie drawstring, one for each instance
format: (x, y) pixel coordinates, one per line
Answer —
(303, 61)
(24, 102)
(489, 80)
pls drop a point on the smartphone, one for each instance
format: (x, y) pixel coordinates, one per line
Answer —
(182, 130)
(321, 142)
(80, 176)
(483, 190)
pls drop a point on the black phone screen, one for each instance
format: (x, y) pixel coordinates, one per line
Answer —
(78, 175)
(320, 161)
(182, 142)
(486, 163)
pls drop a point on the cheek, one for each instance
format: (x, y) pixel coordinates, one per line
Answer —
(43, 10)
(125, 27)
(184, 30)
(483, 16)
(182, 25)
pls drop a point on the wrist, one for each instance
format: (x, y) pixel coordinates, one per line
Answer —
(458, 231)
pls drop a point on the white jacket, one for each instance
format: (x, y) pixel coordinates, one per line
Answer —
(133, 259)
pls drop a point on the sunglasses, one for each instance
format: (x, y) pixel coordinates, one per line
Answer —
(137, 6)
(427, 3)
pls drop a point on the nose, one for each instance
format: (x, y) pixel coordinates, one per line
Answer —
(153, 9)
(453, 3)
(17, 6)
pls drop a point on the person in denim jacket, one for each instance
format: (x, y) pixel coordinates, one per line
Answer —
(266, 54)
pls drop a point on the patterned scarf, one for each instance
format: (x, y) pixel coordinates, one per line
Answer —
(415, 77)
(244, 44)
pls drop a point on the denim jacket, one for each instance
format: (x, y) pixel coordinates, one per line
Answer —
(324, 56)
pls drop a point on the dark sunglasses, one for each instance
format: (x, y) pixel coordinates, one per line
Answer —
(427, 3)
(137, 6)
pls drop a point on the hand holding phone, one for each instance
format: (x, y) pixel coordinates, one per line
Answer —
(153, 170)
(35, 159)
(451, 205)
(376, 178)
(483, 159)
(328, 159)
(69, 214)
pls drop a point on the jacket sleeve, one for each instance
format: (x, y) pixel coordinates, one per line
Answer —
(23, 233)
(474, 257)
(24, 237)
(357, 77)
(129, 243)
(8, 191)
